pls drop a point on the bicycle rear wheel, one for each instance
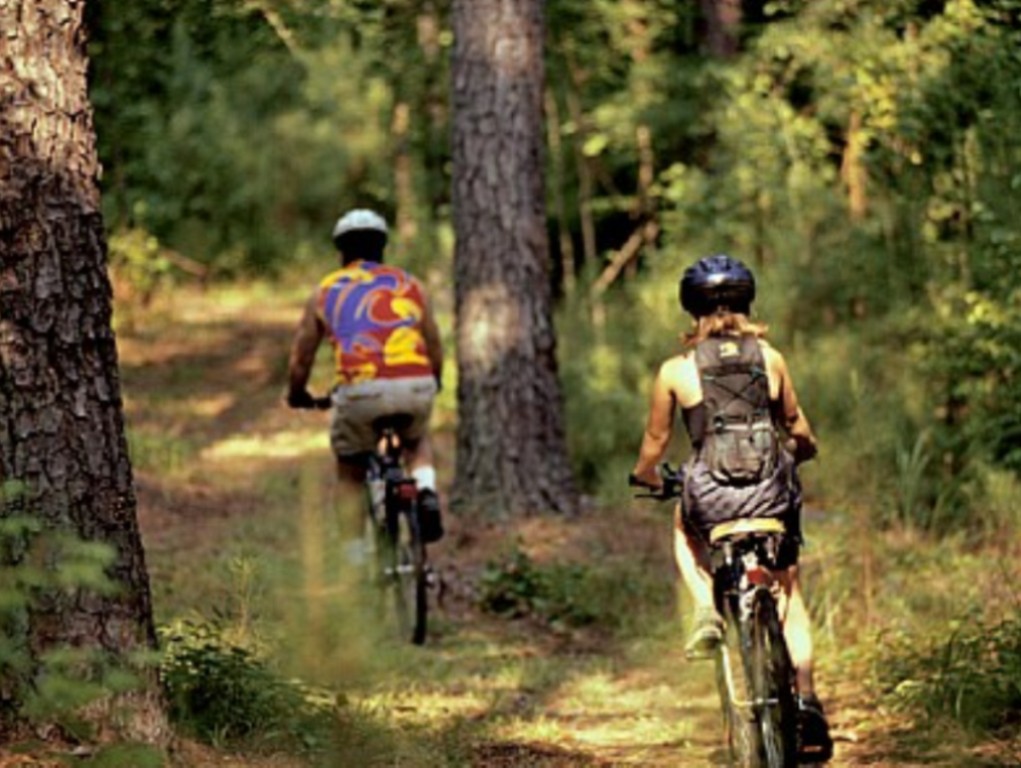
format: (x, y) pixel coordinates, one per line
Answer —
(408, 578)
(773, 684)
(735, 688)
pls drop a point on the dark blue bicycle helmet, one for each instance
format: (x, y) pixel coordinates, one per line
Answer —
(716, 282)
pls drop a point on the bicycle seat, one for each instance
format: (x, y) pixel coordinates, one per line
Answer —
(398, 422)
(743, 526)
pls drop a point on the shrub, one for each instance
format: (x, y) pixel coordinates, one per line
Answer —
(973, 676)
(223, 692)
(570, 594)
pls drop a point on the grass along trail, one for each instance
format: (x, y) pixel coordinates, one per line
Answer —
(240, 528)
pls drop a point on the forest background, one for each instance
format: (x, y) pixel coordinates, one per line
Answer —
(862, 156)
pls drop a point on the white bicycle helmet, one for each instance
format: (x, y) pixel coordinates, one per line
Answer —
(359, 218)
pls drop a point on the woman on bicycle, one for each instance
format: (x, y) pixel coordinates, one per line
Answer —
(737, 401)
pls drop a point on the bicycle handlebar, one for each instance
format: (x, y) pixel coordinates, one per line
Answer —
(671, 487)
(312, 404)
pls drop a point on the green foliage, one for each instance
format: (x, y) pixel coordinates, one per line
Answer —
(972, 675)
(56, 685)
(138, 262)
(161, 452)
(571, 595)
(125, 756)
(235, 132)
(224, 692)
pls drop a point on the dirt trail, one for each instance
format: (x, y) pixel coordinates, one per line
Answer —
(223, 469)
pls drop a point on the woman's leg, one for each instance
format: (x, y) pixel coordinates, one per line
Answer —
(692, 562)
(798, 631)
(693, 572)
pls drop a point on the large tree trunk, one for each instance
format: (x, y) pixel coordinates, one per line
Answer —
(62, 439)
(512, 455)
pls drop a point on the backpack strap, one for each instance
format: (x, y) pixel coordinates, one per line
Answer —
(735, 385)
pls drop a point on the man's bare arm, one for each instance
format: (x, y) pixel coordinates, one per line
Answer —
(433, 342)
(307, 337)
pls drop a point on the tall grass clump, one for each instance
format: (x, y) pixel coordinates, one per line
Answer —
(971, 676)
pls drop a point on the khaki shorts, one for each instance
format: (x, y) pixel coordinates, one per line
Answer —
(356, 406)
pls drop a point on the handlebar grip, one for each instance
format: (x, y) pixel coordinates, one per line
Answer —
(672, 483)
(310, 404)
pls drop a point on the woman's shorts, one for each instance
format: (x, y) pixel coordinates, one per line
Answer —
(357, 406)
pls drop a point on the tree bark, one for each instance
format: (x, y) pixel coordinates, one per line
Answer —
(556, 149)
(512, 456)
(404, 181)
(586, 183)
(62, 435)
(723, 23)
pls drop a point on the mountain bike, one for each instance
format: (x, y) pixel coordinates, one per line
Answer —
(392, 535)
(754, 673)
(394, 532)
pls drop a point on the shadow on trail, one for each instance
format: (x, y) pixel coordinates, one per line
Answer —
(204, 380)
(508, 754)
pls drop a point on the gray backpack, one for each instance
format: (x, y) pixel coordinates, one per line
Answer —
(741, 445)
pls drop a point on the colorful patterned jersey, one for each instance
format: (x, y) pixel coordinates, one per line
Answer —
(374, 316)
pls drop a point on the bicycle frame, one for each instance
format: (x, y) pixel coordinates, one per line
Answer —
(738, 582)
(399, 491)
(747, 597)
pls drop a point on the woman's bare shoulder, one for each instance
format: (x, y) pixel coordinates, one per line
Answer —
(677, 367)
(770, 352)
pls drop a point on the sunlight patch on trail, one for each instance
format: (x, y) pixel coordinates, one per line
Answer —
(279, 445)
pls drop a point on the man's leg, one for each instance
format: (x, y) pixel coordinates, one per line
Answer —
(418, 454)
(419, 457)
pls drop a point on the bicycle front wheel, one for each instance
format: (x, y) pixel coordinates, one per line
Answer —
(736, 697)
(773, 684)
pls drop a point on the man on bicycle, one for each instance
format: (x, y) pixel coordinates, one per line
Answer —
(387, 352)
(731, 377)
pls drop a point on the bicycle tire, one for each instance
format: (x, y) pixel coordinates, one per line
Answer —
(410, 589)
(773, 685)
(735, 689)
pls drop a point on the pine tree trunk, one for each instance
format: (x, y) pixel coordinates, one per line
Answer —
(512, 456)
(62, 436)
